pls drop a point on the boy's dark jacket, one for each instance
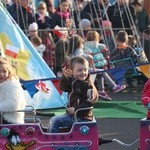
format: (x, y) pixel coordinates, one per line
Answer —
(82, 94)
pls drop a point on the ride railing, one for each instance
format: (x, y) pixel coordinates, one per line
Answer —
(29, 111)
(82, 109)
(56, 34)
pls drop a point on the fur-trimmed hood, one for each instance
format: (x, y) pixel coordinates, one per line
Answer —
(12, 98)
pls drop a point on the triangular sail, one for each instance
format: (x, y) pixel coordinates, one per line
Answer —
(30, 65)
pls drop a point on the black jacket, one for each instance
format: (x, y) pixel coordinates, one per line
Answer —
(127, 15)
(43, 25)
(57, 20)
(79, 15)
(21, 15)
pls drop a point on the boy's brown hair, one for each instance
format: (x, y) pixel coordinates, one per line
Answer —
(122, 36)
(77, 59)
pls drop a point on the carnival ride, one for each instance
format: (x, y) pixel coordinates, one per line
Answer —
(32, 135)
(81, 136)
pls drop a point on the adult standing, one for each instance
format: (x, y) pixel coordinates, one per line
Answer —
(144, 26)
(79, 13)
(50, 7)
(122, 15)
(21, 13)
(97, 9)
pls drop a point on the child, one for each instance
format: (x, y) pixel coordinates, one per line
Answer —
(62, 16)
(61, 51)
(43, 20)
(96, 49)
(82, 94)
(49, 53)
(75, 46)
(33, 30)
(146, 97)
(85, 25)
(132, 41)
(108, 34)
(76, 49)
(37, 43)
(123, 50)
(12, 97)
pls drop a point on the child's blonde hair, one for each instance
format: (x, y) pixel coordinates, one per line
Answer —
(42, 5)
(5, 63)
(93, 36)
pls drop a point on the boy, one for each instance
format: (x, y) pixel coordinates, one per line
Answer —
(81, 91)
(122, 51)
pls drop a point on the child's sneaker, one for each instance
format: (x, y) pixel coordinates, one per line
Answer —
(119, 88)
(105, 96)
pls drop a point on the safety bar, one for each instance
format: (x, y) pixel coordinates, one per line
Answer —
(28, 109)
(81, 109)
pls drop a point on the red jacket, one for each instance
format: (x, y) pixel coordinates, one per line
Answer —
(146, 96)
(146, 93)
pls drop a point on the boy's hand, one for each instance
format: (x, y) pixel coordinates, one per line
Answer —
(67, 72)
(71, 110)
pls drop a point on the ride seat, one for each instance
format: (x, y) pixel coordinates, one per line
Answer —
(66, 129)
(126, 62)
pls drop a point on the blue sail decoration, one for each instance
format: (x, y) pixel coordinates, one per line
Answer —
(30, 65)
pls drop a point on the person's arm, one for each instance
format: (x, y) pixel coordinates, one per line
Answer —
(133, 55)
(142, 21)
(65, 81)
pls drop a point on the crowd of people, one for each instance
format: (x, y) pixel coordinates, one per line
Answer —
(85, 28)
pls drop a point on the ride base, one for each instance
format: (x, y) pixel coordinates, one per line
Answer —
(30, 136)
